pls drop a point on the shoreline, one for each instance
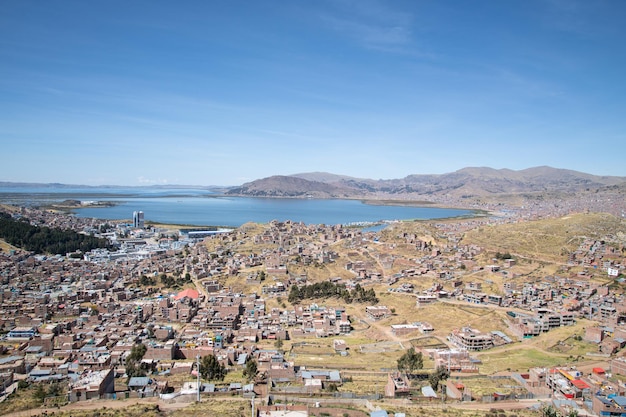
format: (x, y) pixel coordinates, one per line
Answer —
(74, 206)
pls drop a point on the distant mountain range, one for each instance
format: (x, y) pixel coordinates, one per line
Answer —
(61, 186)
(464, 183)
(467, 183)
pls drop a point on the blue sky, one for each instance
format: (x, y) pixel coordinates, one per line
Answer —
(224, 92)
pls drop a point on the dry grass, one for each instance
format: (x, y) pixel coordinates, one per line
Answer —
(517, 358)
(548, 240)
(443, 316)
(485, 386)
(21, 399)
(427, 342)
(436, 410)
(424, 230)
(147, 410)
(5, 247)
(365, 384)
(556, 347)
(355, 360)
(226, 407)
(229, 407)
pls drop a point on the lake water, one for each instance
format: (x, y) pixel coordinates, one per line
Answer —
(201, 207)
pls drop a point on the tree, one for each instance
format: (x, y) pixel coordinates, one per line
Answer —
(150, 331)
(278, 343)
(294, 295)
(332, 387)
(410, 362)
(54, 390)
(439, 374)
(251, 369)
(211, 368)
(45, 239)
(327, 289)
(549, 411)
(40, 393)
(145, 281)
(133, 361)
(137, 352)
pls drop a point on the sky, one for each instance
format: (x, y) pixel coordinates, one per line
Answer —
(218, 92)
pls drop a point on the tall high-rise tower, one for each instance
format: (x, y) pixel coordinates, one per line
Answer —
(138, 219)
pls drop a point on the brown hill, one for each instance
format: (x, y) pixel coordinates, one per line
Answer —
(464, 183)
(289, 186)
(549, 240)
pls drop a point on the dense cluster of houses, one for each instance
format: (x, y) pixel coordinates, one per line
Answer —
(78, 319)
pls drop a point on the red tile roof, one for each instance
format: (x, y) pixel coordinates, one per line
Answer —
(189, 292)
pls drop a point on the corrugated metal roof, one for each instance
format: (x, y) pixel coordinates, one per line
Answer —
(428, 391)
(619, 400)
(138, 381)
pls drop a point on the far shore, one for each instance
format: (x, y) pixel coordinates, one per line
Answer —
(150, 223)
(69, 205)
(409, 203)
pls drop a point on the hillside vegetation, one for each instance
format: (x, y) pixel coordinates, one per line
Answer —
(548, 240)
(45, 239)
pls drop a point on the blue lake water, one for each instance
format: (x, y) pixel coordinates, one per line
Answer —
(201, 207)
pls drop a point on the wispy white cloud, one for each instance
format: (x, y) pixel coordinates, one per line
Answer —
(149, 181)
(369, 22)
(371, 34)
(587, 19)
(530, 86)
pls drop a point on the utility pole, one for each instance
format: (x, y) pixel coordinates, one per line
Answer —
(442, 394)
(198, 377)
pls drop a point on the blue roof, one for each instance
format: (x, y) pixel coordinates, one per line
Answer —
(138, 381)
(40, 372)
(619, 400)
(9, 359)
(379, 413)
(46, 378)
(335, 376)
(33, 349)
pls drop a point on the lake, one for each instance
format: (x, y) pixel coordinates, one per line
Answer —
(203, 208)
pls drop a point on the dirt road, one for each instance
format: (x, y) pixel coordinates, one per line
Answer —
(98, 404)
(167, 406)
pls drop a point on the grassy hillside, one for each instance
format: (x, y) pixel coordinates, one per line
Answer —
(548, 240)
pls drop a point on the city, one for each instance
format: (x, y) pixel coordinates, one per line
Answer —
(253, 295)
